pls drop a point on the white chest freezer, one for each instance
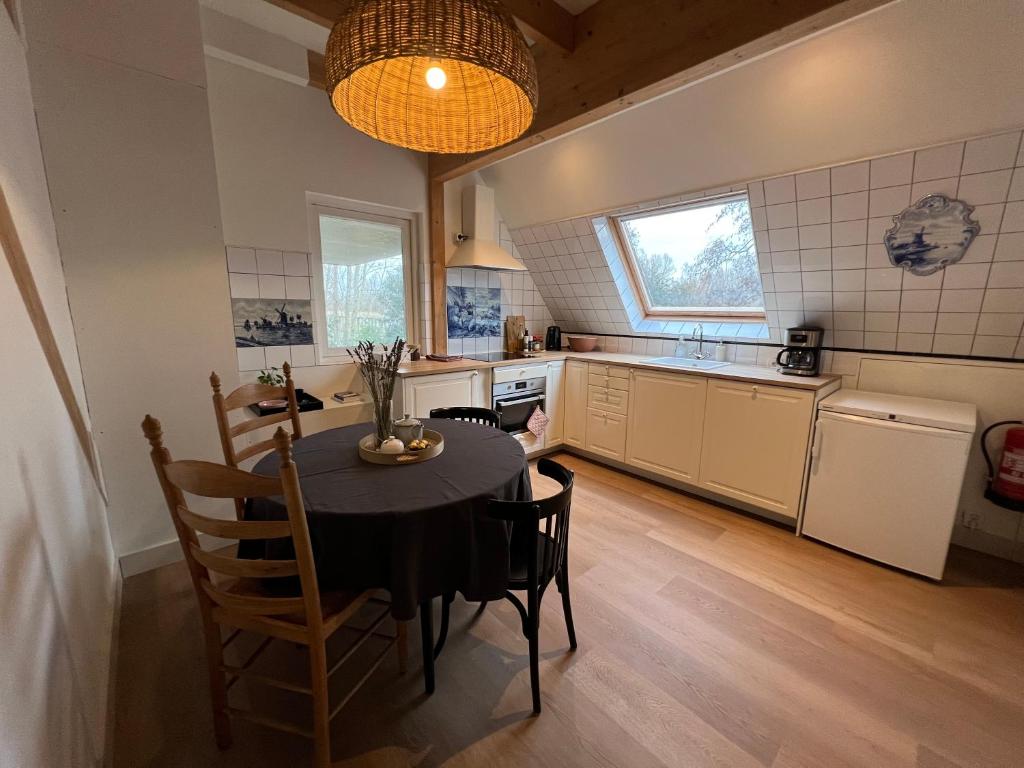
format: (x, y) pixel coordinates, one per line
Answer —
(885, 476)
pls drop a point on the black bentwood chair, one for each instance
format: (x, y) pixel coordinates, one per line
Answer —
(463, 413)
(538, 553)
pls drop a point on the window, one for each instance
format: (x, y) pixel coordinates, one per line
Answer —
(363, 279)
(695, 259)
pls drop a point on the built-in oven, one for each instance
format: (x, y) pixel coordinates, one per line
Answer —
(514, 402)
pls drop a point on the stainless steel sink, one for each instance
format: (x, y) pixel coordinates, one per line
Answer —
(686, 362)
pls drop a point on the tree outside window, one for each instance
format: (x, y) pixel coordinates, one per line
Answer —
(364, 274)
(697, 259)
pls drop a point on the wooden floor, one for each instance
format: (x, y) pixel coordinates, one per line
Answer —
(705, 638)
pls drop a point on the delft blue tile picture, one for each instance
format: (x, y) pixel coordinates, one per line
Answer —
(473, 312)
(931, 234)
(272, 322)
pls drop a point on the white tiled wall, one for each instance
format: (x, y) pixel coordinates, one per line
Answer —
(822, 258)
(581, 276)
(819, 237)
(573, 276)
(256, 273)
(265, 273)
(519, 296)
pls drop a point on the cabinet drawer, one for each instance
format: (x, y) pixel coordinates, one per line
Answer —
(506, 373)
(609, 382)
(611, 371)
(530, 441)
(606, 434)
(611, 400)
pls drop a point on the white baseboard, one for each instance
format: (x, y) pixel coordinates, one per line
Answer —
(115, 644)
(163, 554)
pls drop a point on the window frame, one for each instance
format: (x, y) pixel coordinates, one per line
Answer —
(409, 222)
(637, 283)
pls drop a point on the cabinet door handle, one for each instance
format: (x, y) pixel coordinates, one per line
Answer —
(753, 390)
(816, 448)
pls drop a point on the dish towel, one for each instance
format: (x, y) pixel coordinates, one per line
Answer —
(537, 422)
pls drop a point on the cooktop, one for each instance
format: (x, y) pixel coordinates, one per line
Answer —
(497, 357)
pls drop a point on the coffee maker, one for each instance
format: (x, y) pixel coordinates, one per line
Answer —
(802, 355)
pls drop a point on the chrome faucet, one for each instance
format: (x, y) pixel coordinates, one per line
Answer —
(698, 336)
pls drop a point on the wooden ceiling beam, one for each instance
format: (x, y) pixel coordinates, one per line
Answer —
(545, 20)
(317, 70)
(630, 51)
(322, 12)
(541, 19)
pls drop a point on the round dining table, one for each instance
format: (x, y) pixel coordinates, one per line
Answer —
(417, 530)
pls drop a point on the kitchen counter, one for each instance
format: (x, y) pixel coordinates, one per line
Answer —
(425, 367)
(755, 374)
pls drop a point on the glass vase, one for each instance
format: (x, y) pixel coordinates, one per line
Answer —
(382, 421)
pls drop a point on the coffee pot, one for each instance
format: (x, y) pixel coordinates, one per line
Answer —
(408, 429)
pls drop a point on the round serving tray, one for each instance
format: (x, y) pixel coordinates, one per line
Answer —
(368, 453)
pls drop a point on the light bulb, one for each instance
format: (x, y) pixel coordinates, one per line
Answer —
(436, 77)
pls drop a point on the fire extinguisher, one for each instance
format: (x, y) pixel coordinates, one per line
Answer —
(1006, 482)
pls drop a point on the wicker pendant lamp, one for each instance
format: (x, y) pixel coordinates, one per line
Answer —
(445, 76)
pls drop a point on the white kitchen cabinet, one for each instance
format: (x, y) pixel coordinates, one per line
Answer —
(666, 424)
(555, 404)
(755, 444)
(606, 434)
(575, 404)
(418, 395)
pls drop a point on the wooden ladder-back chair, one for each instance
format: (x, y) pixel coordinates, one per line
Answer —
(243, 397)
(242, 598)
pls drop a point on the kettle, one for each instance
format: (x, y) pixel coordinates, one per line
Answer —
(553, 339)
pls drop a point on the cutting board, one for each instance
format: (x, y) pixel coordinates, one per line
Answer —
(515, 327)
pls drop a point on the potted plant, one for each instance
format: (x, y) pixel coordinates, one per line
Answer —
(272, 377)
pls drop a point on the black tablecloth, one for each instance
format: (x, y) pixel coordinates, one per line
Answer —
(415, 530)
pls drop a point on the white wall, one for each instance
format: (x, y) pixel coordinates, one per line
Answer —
(274, 141)
(119, 89)
(912, 74)
(57, 565)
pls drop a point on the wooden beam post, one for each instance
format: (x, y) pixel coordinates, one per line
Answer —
(438, 270)
(17, 259)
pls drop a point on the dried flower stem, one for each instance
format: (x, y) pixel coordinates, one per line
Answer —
(379, 371)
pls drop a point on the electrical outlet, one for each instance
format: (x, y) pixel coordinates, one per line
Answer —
(972, 520)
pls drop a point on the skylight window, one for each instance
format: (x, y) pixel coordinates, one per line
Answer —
(695, 260)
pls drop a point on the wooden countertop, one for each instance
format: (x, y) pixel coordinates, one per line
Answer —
(756, 374)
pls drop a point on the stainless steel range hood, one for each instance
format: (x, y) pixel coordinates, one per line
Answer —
(477, 249)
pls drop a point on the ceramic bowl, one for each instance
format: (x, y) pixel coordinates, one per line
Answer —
(582, 343)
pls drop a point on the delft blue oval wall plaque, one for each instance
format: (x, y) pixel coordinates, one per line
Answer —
(931, 234)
